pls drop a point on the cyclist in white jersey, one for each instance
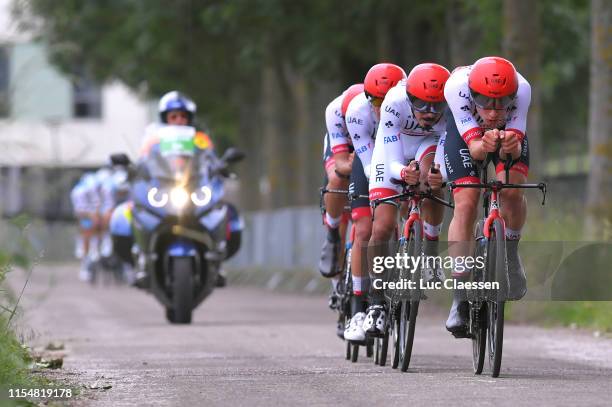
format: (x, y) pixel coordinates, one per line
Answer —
(488, 104)
(362, 119)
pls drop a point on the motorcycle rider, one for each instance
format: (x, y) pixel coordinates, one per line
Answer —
(174, 108)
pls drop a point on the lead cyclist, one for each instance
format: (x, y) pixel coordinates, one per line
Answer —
(488, 104)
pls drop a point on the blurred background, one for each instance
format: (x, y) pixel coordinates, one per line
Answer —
(80, 79)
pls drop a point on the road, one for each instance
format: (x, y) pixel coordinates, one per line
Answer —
(253, 347)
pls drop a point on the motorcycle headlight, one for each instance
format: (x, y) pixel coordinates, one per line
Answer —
(202, 196)
(156, 198)
(179, 197)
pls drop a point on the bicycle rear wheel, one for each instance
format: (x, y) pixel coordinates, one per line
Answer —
(479, 337)
(382, 346)
(497, 270)
(395, 321)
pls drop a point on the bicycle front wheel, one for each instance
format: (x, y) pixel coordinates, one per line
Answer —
(410, 308)
(497, 271)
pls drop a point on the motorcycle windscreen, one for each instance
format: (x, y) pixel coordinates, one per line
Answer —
(174, 160)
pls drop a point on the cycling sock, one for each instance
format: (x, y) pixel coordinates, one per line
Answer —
(432, 232)
(357, 285)
(512, 234)
(358, 304)
(377, 296)
(332, 223)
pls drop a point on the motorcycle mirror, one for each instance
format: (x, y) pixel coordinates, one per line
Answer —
(232, 155)
(120, 159)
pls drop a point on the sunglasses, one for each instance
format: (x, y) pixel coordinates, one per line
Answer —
(374, 101)
(489, 103)
(423, 106)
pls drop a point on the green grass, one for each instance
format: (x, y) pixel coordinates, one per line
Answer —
(557, 225)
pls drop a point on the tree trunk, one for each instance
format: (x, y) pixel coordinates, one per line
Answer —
(270, 185)
(521, 45)
(599, 190)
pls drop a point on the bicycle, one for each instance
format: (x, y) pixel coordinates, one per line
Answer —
(486, 307)
(403, 309)
(344, 290)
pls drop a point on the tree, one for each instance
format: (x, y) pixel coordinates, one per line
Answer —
(599, 191)
(521, 45)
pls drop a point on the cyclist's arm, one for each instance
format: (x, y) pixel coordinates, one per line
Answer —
(390, 136)
(361, 129)
(344, 162)
(339, 139)
(517, 122)
(457, 94)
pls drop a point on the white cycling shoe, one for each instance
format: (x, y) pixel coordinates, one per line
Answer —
(374, 323)
(355, 332)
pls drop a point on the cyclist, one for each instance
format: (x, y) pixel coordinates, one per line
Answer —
(411, 126)
(85, 202)
(488, 104)
(362, 117)
(338, 159)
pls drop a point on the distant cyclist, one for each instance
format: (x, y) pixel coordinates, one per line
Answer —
(86, 202)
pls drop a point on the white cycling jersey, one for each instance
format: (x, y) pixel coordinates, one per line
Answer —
(361, 123)
(84, 195)
(469, 123)
(400, 139)
(339, 139)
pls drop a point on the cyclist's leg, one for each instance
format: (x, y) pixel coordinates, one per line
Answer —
(385, 220)
(460, 168)
(514, 212)
(362, 220)
(432, 213)
(334, 207)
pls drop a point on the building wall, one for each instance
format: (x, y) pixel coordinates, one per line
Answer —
(38, 92)
(41, 129)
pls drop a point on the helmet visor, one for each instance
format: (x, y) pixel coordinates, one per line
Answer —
(374, 101)
(489, 103)
(423, 106)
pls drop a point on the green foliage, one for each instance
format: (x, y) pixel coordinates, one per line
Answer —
(14, 359)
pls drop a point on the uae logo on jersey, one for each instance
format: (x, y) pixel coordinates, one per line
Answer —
(465, 108)
(389, 124)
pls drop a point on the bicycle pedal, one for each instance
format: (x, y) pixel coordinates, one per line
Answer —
(461, 333)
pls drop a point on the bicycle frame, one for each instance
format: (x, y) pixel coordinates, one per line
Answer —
(491, 202)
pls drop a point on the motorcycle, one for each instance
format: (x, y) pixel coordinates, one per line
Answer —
(179, 221)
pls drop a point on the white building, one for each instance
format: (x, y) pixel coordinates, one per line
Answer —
(50, 120)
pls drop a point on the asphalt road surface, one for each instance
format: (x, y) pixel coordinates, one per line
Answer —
(252, 347)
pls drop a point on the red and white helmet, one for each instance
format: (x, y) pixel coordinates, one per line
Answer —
(426, 82)
(493, 77)
(349, 94)
(382, 77)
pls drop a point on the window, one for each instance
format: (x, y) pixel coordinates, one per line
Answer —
(87, 98)
(4, 82)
